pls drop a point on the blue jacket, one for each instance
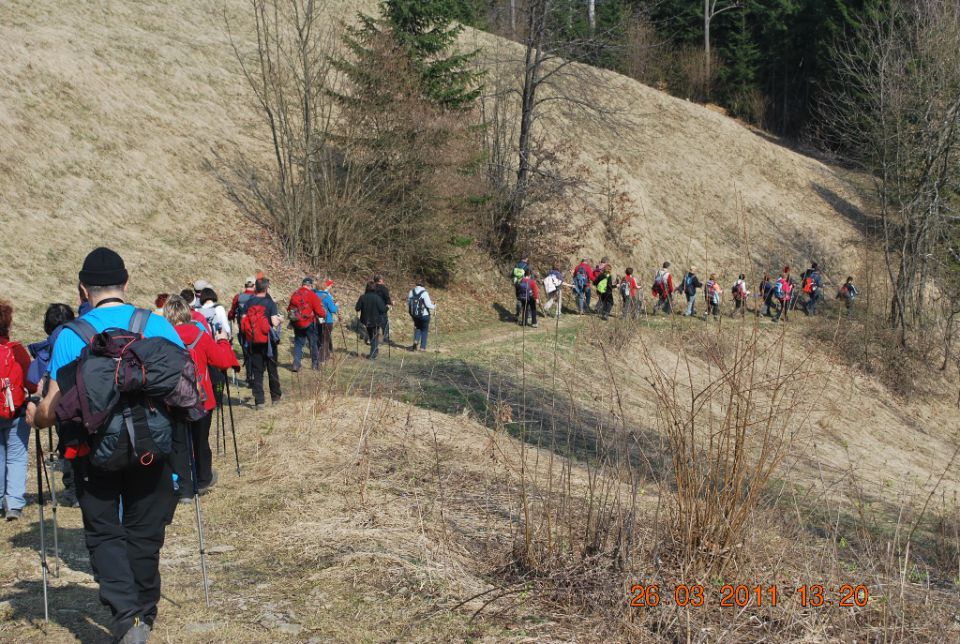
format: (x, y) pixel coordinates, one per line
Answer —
(328, 304)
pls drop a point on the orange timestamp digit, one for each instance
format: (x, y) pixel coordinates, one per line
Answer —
(742, 595)
(645, 596)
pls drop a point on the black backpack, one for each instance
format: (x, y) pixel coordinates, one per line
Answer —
(121, 399)
(415, 305)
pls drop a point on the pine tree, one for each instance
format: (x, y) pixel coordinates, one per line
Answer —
(428, 31)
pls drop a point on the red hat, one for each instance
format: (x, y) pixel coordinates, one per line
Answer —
(328, 284)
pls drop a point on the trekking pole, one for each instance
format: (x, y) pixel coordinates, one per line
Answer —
(196, 505)
(216, 419)
(233, 428)
(43, 548)
(56, 530)
(343, 334)
(436, 316)
(223, 423)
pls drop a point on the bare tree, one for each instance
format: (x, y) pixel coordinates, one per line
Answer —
(711, 11)
(552, 79)
(896, 110)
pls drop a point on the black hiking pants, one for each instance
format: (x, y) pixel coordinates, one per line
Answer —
(260, 362)
(125, 551)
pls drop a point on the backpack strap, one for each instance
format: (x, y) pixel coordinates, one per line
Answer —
(195, 341)
(138, 321)
(82, 328)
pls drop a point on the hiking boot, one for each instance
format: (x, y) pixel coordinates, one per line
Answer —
(257, 406)
(68, 499)
(295, 369)
(213, 481)
(184, 500)
(534, 325)
(139, 633)
(276, 400)
(14, 515)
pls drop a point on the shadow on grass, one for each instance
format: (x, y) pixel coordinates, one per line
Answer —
(539, 412)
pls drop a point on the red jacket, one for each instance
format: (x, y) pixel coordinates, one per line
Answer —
(315, 310)
(232, 313)
(23, 359)
(591, 275)
(207, 352)
(629, 279)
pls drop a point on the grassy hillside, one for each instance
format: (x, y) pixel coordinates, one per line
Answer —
(109, 110)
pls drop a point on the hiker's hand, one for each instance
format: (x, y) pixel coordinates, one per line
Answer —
(31, 412)
(221, 335)
(276, 320)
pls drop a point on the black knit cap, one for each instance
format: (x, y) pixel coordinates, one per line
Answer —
(103, 267)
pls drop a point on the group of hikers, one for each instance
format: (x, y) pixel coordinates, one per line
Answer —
(777, 297)
(132, 394)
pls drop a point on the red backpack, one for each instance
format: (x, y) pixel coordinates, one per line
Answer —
(11, 381)
(299, 311)
(255, 325)
(200, 361)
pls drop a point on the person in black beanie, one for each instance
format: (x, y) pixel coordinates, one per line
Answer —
(124, 550)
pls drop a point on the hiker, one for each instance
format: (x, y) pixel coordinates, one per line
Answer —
(690, 285)
(605, 288)
(214, 313)
(848, 292)
(14, 430)
(53, 320)
(528, 296)
(372, 309)
(189, 296)
(260, 327)
(812, 284)
(781, 293)
(712, 294)
(552, 286)
(517, 273)
(304, 311)
(325, 326)
(740, 295)
(124, 550)
(583, 277)
(384, 293)
(237, 308)
(766, 294)
(420, 306)
(158, 303)
(628, 294)
(597, 273)
(198, 287)
(663, 290)
(210, 355)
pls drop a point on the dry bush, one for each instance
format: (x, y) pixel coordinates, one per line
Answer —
(728, 436)
(687, 76)
(644, 52)
(750, 105)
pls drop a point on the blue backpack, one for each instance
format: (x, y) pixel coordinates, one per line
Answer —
(778, 290)
(523, 289)
(580, 279)
(41, 352)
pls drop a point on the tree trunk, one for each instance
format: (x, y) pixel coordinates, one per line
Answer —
(706, 48)
(533, 61)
